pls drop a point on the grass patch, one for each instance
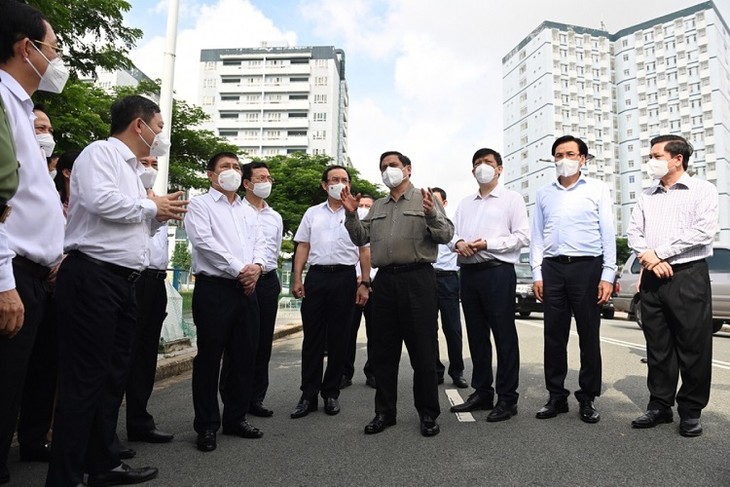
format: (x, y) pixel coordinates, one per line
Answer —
(187, 302)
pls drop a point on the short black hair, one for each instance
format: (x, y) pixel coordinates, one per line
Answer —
(403, 159)
(214, 160)
(40, 107)
(486, 152)
(676, 145)
(248, 168)
(325, 174)
(367, 196)
(126, 109)
(582, 147)
(65, 161)
(439, 191)
(18, 21)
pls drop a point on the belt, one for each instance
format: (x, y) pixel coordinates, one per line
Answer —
(267, 275)
(155, 274)
(398, 268)
(331, 268)
(569, 259)
(445, 273)
(33, 268)
(130, 275)
(479, 266)
(685, 265)
(218, 280)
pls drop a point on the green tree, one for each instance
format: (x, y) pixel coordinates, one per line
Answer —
(181, 258)
(622, 251)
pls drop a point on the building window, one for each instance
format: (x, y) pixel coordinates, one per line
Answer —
(320, 81)
(320, 98)
(632, 179)
(632, 195)
(320, 117)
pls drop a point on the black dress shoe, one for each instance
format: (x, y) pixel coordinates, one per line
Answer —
(258, 409)
(151, 436)
(653, 417)
(378, 424)
(460, 382)
(552, 409)
(244, 429)
(429, 426)
(36, 453)
(588, 412)
(502, 412)
(690, 427)
(331, 406)
(206, 441)
(370, 381)
(473, 403)
(125, 453)
(303, 408)
(127, 475)
(345, 382)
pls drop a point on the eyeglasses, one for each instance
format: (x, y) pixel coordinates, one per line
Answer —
(59, 50)
(569, 155)
(263, 179)
(338, 180)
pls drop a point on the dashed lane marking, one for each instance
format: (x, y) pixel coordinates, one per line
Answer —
(455, 399)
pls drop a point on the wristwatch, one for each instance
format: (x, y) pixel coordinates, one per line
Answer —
(367, 284)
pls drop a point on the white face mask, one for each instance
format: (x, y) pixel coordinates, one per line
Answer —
(148, 177)
(484, 173)
(262, 190)
(392, 177)
(657, 168)
(160, 145)
(362, 212)
(55, 77)
(47, 143)
(53, 173)
(567, 167)
(229, 180)
(335, 190)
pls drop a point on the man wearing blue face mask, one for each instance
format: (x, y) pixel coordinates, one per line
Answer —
(573, 259)
(329, 294)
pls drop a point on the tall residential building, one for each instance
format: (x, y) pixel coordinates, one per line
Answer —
(278, 100)
(617, 91)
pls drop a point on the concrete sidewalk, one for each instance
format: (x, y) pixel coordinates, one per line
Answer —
(288, 321)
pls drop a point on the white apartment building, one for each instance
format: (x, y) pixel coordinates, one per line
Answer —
(617, 91)
(278, 100)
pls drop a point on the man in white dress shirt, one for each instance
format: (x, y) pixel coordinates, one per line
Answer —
(229, 252)
(31, 241)
(110, 220)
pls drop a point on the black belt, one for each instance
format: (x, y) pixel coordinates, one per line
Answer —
(331, 268)
(445, 273)
(398, 268)
(129, 274)
(686, 265)
(479, 266)
(155, 274)
(569, 259)
(267, 275)
(218, 280)
(33, 268)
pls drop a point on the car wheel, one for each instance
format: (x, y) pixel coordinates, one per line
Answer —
(524, 314)
(717, 325)
(607, 314)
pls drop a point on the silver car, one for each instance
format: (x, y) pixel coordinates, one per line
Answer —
(627, 296)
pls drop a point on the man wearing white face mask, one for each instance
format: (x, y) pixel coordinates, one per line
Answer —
(28, 252)
(573, 259)
(44, 132)
(672, 229)
(229, 257)
(491, 227)
(329, 294)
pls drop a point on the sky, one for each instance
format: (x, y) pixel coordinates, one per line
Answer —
(424, 76)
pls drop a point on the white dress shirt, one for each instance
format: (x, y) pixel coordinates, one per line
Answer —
(272, 227)
(110, 217)
(446, 259)
(157, 254)
(678, 222)
(500, 219)
(329, 242)
(35, 227)
(576, 222)
(225, 236)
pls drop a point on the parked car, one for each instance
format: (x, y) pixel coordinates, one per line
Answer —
(628, 298)
(525, 300)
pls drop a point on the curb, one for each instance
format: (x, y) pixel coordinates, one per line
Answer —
(181, 362)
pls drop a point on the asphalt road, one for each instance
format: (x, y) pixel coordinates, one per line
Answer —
(333, 451)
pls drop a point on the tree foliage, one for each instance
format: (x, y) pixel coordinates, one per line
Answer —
(181, 258)
(622, 251)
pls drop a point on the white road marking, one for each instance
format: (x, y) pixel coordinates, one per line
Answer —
(455, 398)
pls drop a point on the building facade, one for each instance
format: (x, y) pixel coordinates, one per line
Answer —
(277, 100)
(617, 91)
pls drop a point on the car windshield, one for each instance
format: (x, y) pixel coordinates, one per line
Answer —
(523, 271)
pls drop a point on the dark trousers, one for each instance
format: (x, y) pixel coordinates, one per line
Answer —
(226, 321)
(366, 311)
(488, 298)
(97, 312)
(447, 290)
(326, 318)
(572, 289)
(16, 352)
(677, 316)
(267, 292)
(404, 310)
(152, 310)
(39, 392)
